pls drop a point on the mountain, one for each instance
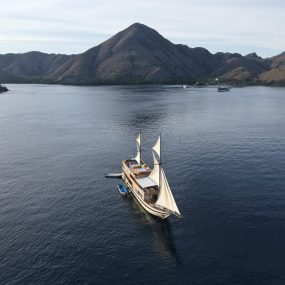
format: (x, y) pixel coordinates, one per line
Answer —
(140, 54)
(276, 73)
(30, 66)
(242, 68)
(137, 53)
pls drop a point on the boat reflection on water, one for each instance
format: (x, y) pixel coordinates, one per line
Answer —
(159, 231)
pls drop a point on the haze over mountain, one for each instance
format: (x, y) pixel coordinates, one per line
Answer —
(139, 54)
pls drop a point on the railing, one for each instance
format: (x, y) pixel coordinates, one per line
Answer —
(158, 207)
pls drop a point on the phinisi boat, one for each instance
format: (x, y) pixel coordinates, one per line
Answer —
(149, 186)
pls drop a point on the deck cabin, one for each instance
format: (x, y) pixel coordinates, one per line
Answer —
(137, 175)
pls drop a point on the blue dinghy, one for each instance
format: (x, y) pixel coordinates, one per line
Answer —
(122, 189)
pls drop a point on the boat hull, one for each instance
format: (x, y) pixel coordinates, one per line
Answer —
(150, 209)
(224, 88)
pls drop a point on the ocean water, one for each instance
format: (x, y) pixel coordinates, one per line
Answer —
(62, 222)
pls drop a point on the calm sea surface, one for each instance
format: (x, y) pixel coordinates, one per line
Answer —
(62, 222)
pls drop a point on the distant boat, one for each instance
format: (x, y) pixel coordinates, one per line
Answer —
(3, 88)
(122, 189)
(184, 86)
(223, 88)
(149, 186)
(113, 175)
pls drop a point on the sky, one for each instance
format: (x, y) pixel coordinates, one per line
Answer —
(72, 26)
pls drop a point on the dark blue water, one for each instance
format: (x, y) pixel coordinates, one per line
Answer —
(61, 222)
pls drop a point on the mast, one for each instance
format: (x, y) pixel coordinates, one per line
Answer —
(140, 146)
(159, 160)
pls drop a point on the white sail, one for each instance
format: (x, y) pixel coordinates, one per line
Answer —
(138, 141)
(154, 175)
(165, 198)
(156, 147)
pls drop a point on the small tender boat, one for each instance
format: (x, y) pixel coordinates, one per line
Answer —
(113, 175)
(3, 88)
(224, 88)
(122, 189)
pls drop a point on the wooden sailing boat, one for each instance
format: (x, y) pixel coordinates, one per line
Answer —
(150, 186)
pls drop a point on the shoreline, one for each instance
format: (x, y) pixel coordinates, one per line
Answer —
(141, 84)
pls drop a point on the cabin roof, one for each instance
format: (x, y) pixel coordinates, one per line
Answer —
(146, 182)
